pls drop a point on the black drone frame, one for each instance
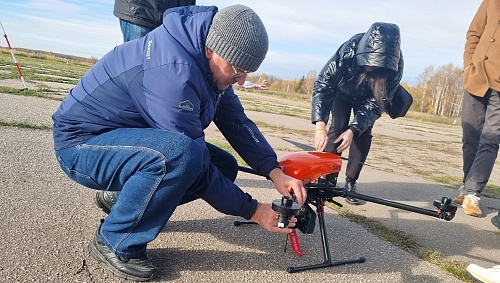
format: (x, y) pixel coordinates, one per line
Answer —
(319, 193)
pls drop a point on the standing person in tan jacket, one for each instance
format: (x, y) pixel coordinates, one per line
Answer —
(481, 104)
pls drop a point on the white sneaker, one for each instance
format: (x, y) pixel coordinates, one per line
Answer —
(484, 275)
(471, 205)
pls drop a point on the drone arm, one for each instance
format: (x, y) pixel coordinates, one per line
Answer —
(445, 209)
(393, 204)
(249, 170)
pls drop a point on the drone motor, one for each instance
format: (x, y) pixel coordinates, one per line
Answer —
(285, 207)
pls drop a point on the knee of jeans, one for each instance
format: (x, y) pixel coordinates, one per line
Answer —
(192, 156)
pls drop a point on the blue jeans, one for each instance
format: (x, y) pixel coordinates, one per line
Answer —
(480, 139)
(154, 170)
(222, 159)
(132, 31)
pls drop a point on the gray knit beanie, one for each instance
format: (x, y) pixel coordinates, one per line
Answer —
(238, 36)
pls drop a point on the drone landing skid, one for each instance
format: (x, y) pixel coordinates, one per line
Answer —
(326, 249)
(327, 263)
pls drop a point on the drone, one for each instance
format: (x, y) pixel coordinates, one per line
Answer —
(318, 172)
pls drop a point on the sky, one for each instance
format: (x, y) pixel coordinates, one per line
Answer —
(303, 35)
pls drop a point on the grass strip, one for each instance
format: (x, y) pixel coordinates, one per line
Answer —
(24, 124)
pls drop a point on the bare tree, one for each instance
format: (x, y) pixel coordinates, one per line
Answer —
(308, 85)
(441, 90)
(423, 84)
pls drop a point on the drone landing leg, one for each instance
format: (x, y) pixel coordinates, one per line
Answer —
(326, 248)
(239, 223)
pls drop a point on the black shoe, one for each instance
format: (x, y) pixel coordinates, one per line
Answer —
(105, 200)
(351, 187)
(138, 269)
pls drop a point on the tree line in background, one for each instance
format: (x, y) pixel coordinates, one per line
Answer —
(50, 55)
(439, 90)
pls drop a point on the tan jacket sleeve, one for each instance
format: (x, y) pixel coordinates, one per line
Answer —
(474, 33)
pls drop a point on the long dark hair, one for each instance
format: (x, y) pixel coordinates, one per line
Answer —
(377, 81)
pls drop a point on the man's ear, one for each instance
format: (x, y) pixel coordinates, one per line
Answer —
(208, 53)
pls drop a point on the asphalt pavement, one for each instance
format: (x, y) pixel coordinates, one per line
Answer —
(48, 220)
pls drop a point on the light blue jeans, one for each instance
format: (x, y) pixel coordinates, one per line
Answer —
(132, 31)
(154, 170)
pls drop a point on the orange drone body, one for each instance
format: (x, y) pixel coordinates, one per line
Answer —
(308, 166)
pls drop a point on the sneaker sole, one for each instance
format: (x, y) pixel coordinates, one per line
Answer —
(94, 252)
(478, 278)
(473, 214)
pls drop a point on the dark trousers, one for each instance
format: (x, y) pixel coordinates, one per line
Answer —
(358, 151)
(480, 138)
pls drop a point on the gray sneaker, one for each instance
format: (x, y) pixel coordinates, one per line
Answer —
(461, 195)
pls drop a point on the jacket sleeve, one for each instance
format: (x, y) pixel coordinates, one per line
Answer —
(364, 116)
(394, 81)
(474, 32)
(325, 86)
(225, 196)
(243, 134)
(324, 91)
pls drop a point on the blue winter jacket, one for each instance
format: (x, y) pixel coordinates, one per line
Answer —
(163, 81)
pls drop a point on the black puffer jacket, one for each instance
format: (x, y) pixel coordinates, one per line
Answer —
(380, 47)
(148, 13)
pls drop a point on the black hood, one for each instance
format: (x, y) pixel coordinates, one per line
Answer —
(380, 47)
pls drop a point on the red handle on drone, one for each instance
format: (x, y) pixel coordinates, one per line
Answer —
(294, 241)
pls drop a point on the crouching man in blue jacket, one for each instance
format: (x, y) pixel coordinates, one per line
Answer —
(134, 124)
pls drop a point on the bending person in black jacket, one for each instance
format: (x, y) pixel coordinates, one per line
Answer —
(138, 17)
(361, 76)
